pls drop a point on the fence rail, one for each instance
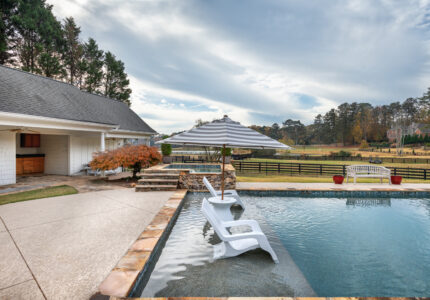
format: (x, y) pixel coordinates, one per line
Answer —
(318, 169)
(399, 160)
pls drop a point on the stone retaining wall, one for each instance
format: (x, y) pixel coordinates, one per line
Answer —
(194, 181)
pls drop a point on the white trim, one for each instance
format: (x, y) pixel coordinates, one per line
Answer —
(128, 134)
(22, 120)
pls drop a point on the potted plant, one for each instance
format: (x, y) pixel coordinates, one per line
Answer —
(166, 150)
(227, 153)
(396, 179)
(338, 179)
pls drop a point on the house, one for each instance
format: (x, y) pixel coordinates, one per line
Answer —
(412, 129)
(48, 126)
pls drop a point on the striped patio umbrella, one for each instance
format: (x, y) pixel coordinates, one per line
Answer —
(224, 133)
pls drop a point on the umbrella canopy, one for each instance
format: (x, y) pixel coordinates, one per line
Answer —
(224, 133)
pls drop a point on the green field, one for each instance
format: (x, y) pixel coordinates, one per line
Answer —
(337, 162)
(52, 191)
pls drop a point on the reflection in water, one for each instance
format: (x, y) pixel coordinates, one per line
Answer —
(186, 266)
(364, 202)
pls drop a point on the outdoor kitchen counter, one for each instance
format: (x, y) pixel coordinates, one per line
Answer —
(30, 163)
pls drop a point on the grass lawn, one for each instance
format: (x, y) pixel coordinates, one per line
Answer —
(337, 162)
(307, 179)
(52, 191)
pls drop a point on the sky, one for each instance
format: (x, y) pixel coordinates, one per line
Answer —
(259, 62)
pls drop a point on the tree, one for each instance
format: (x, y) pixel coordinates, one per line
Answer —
(50, 65)
(357, 132)
(294, 130)
(7, 33)
(115, 79)
(73, 50)
(38, 31)
(92, 66)
(134, 157)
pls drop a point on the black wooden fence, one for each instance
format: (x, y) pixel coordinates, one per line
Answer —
(317, 169)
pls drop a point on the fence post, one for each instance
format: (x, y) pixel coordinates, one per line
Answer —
(240, 166)
(425, 174)
(300, 169)
(395, 171)
(266, 168)
(343, 170)
(279, 168)
(320, 169)
(259, 167)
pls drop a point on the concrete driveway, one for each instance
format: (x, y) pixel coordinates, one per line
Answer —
(63, 247)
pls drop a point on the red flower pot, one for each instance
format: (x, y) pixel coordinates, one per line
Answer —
(396, 179)
(338, 179)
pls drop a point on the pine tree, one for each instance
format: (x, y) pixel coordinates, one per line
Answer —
(115, 79)
(38, 31)
(73, 50)
(50, 65)
(7, 11)
(92, 67)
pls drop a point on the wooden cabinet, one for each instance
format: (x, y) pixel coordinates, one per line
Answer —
(30, 140)
(30, 165)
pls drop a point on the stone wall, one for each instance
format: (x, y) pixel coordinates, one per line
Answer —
(194, 181)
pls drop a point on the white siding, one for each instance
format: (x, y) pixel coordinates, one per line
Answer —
(82, 149)
(7, 158)
(112, 144)
(56, 150)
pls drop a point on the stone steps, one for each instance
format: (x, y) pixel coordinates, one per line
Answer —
(147, 188)
(158, 180)
(159, 176)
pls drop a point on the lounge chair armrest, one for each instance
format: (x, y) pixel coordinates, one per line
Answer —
(246, 235)
(227, 192)
(251, 223)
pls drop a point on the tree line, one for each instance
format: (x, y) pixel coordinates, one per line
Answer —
(32, 39)
(352, 123)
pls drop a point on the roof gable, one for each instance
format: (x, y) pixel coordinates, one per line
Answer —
(25, 93)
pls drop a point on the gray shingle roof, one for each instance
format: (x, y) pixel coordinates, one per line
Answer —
(26, 93)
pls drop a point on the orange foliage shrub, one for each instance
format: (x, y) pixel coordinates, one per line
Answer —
(135, 157)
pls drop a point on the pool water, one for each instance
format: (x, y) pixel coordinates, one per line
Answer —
(196, 168)
(326, 247)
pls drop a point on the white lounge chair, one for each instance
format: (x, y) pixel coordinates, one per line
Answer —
(227, 193)
(236, 244)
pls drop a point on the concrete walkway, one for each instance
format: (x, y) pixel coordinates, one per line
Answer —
(63, 247)
(332, 186)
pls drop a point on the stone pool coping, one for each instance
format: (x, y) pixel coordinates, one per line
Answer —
(138, 262)
(139, 259)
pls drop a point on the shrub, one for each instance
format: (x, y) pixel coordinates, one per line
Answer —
(135, 157)
(343, 153)
(358, 155)
(263, 152)
(364, 144)
(166, 149)
(226, 151)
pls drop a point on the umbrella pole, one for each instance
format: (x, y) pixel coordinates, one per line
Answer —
(222, 174)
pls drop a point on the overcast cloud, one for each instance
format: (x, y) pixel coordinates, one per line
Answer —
(260, 62)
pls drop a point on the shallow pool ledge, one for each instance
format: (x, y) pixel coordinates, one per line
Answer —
(140, 257)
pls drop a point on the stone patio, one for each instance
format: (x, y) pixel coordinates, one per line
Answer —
(81, 183)
(63, 247)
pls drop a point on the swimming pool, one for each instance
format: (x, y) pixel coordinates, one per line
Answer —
(326, 247)
(196, 168)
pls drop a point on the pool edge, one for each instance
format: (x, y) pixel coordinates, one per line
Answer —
(141, 257)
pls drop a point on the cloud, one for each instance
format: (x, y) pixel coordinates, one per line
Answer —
(269, 62)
